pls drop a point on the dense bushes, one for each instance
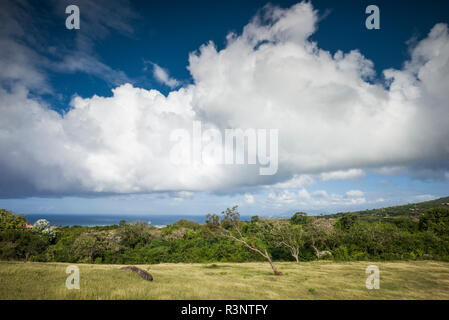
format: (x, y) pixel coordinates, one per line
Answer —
(17, 243)
(22, 244)
(11, 221)
(347, 238)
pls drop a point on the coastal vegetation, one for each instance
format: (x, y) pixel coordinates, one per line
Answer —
(420, 234)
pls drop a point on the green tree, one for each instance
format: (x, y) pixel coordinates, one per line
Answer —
(9, 220)
(289, 236)
(320, 233)
(436, 220)
(299, 218)
(255, 219)
(348, 220)
(21, 244)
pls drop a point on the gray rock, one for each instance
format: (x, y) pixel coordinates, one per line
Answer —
(142, 273)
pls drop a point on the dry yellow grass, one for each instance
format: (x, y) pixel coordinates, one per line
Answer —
(308, 280)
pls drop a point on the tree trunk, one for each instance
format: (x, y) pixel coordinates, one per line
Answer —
(317, 252)
(296, 258)
(275, 270)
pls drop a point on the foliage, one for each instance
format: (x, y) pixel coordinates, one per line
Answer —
(348, 237)
(299, 218)
(9, 220)
(22, 244)
(348, 220)
(288, 236)
(412, 210)
(436, 219)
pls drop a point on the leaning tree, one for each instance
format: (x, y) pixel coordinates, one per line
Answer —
(256, 237)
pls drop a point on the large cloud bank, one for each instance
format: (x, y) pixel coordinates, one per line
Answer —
(331, 115)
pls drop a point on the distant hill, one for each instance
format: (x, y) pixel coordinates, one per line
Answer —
(412, 210)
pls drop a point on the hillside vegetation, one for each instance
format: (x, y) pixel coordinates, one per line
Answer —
(396, 233)
(411, 210)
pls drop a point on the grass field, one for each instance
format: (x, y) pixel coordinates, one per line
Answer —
(308, 280)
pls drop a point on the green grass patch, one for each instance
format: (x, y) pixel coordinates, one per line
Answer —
(242, 281)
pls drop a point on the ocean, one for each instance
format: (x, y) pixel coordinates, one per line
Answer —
(105, 219)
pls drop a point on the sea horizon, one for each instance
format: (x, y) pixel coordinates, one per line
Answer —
(91, 220)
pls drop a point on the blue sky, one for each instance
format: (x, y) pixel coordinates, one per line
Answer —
(165, 33)
(351, 136)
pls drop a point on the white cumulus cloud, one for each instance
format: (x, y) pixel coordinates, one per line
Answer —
(355, 194)
(162, 75)
(331, 118)
(249, 198)
(343, 174)
(316, 199)
(296, 181)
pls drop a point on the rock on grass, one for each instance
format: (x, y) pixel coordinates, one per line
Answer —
(142, 273)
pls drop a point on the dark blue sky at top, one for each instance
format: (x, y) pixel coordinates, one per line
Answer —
(167, 31)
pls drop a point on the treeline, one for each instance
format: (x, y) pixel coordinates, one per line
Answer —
(227, 239)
